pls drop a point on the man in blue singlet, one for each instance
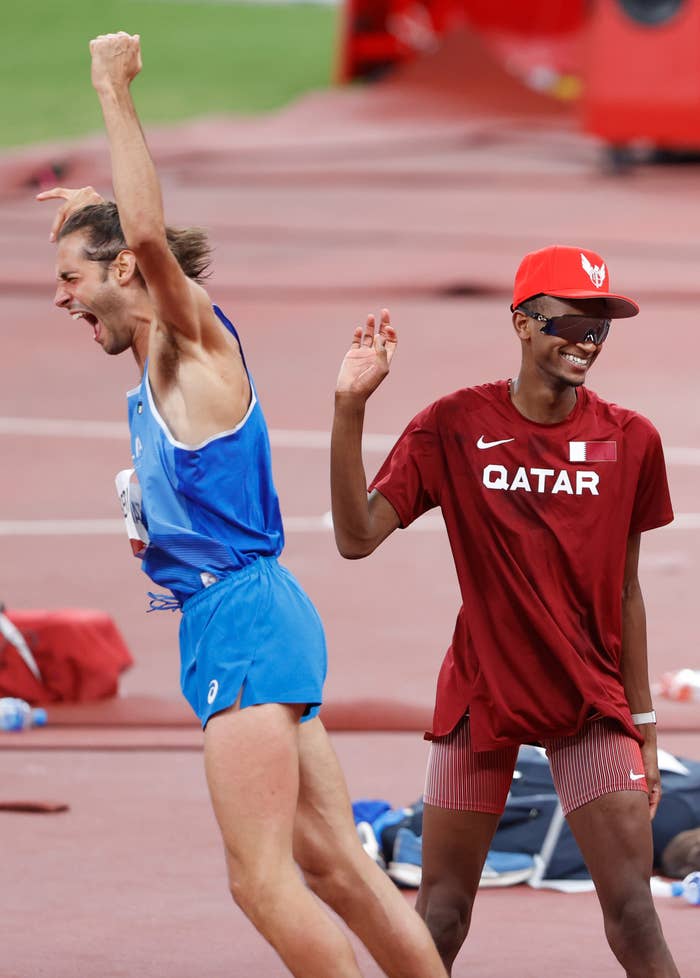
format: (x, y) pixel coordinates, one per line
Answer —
(253, 655)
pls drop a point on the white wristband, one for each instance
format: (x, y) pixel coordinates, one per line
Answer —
(639, 718)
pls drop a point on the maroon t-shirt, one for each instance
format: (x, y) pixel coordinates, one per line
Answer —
(538, 517)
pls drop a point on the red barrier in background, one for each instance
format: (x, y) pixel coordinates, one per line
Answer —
(380, 33)
(641, 73)
(80, 653)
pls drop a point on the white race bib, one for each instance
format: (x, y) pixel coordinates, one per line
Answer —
(129, 492)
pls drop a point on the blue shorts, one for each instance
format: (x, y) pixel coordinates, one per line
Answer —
(256, 633)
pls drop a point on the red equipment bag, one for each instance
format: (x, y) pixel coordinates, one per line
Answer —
(78, 654)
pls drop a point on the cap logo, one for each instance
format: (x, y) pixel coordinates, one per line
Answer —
(596, 273)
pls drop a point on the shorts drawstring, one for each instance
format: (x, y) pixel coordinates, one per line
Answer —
(163, 602)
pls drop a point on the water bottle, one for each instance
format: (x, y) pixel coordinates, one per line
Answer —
(16, 714)
(688, 888)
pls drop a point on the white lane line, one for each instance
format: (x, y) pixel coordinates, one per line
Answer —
(60, 528)
(63, 428)
(279, 437)
(686, 521)
(119, 430)
(679, 455)
(430, 523)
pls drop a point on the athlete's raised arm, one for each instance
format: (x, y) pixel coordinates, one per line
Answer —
(360, 522)
(182, 306)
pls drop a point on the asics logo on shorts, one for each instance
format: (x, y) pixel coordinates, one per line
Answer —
(213, 691)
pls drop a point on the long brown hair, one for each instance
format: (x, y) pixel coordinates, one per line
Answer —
(106, 239)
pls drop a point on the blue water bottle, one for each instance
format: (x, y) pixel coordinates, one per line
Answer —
(688, 888)
(16, 714)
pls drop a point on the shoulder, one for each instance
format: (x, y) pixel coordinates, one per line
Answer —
(448, 410)
(633, 425)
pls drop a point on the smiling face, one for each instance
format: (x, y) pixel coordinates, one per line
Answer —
(556, 361)
(91, 292)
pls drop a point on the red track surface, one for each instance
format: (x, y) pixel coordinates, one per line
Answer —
(343, 203)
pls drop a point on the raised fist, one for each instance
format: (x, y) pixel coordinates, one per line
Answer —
(116, 60)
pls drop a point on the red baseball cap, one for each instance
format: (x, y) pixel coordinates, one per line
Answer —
(569, 273)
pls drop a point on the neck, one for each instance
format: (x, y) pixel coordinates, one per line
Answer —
(140, 339)
(541, 402)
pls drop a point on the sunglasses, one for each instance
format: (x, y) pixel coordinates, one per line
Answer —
(574, 329)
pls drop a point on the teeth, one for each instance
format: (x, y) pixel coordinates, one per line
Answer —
(577, 360)
(76, 315)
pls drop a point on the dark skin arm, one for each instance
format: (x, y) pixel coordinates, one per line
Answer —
(634, 666)
(360, 522)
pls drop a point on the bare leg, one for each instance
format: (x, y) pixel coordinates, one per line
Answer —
(455, 845)
(252, 767)
(614, 835)
(328, 850)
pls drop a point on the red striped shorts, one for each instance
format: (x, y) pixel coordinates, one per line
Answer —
(599, 759)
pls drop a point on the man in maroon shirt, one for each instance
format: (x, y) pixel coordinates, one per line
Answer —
(545, 490)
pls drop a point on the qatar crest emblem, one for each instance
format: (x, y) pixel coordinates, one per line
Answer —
(596, 273)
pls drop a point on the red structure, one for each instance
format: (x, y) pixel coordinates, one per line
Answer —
(642, 72)
(380, 33)
(633, 65)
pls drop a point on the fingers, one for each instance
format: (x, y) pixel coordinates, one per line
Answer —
(654, 798)
(58, 222)
(55, 194)
(75, 200)
(368, 332)
(357, 338)
(111, 38)
(116, 60)
(385, 327)
(370, 337)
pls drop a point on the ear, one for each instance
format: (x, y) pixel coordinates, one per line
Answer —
(522, 326)
(125, 267)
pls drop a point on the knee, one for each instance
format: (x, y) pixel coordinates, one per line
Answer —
(632, 920)
(255, 888)
(337, 882)
(447, 911)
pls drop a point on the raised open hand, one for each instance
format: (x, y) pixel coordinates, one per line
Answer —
(116, 60)
(367, 362)
(75, 200)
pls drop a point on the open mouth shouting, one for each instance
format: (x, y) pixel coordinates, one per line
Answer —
(90, 318)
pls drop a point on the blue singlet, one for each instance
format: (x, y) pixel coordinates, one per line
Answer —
(215, 532)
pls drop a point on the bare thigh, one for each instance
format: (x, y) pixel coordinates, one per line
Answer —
(614, 835)
(455, 846)
(324, 821)
(252, 769)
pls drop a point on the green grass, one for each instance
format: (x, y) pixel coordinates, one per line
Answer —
(199, 58)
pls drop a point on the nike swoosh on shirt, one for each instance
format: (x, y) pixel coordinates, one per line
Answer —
(491, 444)
(635, 777)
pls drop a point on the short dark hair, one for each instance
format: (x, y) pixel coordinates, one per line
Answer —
(106, 239)
(533, 303)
